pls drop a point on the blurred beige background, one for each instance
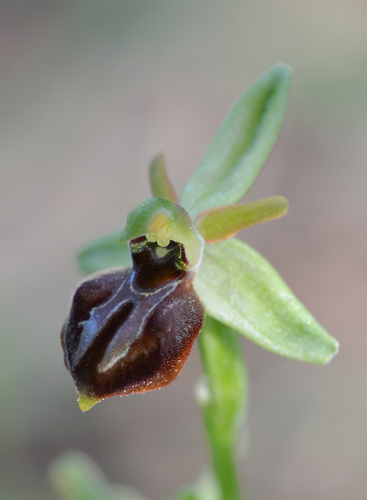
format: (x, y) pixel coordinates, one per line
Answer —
(89, 92)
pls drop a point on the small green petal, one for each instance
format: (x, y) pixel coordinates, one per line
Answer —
(160, 184)
(104, 253)
(161, 221)
(241, 289)
(218, 224)
(241, 146)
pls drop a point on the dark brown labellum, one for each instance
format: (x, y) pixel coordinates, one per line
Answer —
(131, 330)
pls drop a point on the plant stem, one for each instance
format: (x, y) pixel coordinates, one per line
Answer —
(223, 402)
(225, 471)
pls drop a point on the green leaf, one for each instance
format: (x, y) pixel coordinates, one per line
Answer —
(205, 488)
(161, 221)
(241, 146)
(104, 253)
(76, 477)
(160, 184)
(223, 398)
(187, 494)
(240, 288)
(218, 224)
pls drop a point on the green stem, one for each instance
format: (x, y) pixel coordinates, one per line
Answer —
(223, 401)
(225, 470)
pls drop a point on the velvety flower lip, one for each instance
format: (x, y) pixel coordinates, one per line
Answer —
(131, 330)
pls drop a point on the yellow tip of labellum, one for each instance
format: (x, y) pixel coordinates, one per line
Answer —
(87, 402)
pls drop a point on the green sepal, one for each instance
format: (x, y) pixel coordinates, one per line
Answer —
(104, 253)
(222, 398)
(161, 221)
(218, 224)
(160, 184)
(241, 289)
(241, 146)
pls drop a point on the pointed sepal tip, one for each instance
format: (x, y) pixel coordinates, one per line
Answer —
(87, 402)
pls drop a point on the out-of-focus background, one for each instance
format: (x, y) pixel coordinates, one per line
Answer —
(89, 92)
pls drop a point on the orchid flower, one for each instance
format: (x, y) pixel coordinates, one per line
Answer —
(132, 324)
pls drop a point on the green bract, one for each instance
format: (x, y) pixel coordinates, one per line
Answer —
(237, 286)
(250, 296)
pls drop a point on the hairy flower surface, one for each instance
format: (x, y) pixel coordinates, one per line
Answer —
(131, 330)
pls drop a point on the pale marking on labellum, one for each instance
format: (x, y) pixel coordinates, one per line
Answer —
(114, 353)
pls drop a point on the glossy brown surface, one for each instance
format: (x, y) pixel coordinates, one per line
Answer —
(131, 331)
